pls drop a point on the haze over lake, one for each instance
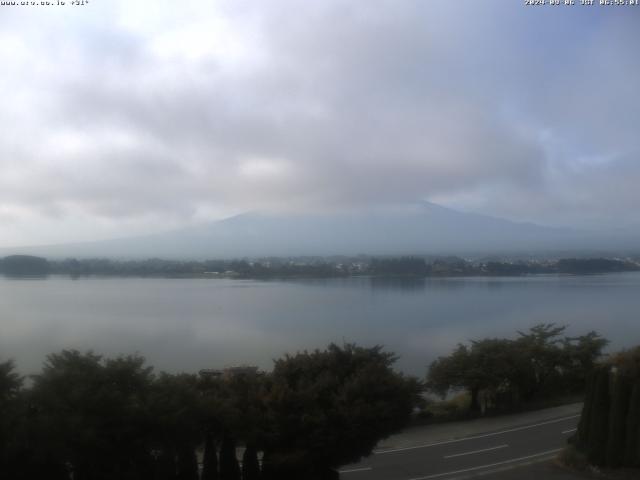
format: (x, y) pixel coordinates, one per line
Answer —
(188, 324)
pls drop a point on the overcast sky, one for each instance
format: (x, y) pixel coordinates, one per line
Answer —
(123, 117)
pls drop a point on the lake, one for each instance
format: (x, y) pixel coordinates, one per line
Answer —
(188, 324)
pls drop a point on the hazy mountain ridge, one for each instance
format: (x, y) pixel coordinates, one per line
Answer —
(418, 229)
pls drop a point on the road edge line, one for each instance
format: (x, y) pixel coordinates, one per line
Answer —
(481, 467)
(474, 437)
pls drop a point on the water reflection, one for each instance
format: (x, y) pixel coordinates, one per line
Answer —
(404, 283)
(10, 276)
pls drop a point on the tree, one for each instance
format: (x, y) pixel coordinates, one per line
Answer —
(452, 371)
(68, 411)
(620, 402)
(229, 468)
(250, 464)
(210, 459)
(240, 406)
(456, 371)
(489, 366)
(541, 345)
(24, 265)
(599, 419)
(580, 357)
(627, 363)
(10, 418)
(91, 414)
(176, 427)
(504, 371)
(187, 463)
(331, 407)
(609, 429)
(632, 436)
(234, 410)
(582, 266)
(10, 382)
(398, 266)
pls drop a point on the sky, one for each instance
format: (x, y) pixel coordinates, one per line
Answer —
(123, 117)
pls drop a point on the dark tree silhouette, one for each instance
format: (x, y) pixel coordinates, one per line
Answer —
(539, 362)
(24, 265)
(609, 429)
(102, 419)
(229, 468)
(210, 459)
(187, 463)
(250, 464)
(331, 407)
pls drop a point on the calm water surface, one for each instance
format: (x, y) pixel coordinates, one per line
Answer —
(188, 324)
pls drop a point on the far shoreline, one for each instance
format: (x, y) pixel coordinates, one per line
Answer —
(391, 278)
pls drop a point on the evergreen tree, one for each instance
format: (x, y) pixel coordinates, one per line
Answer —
(210, 460)
(166, 465)
(229, 468)
(580, 357)
(11, 417)
(187, 463)
(632, 438)
(330, 408)
(599, 419)
(581, 438)
(250, 464)
(617, 420)
(268, 471)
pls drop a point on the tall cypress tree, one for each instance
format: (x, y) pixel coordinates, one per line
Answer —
(599, 419)
(187, 464)
(268, 472)
(632, 441)
(229, 468)
(166, 465)
(250, 464)
(617, 420)
(581, 438)
(210, 460)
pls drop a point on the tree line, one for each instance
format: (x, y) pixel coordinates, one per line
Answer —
(454, 266)
(504, 373)
(310, 267)
(88, 417)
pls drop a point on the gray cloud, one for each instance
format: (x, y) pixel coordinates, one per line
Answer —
(121, 113)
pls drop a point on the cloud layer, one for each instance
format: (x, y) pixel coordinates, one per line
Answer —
(121, 117)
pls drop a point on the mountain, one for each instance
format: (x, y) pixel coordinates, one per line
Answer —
(423, 228)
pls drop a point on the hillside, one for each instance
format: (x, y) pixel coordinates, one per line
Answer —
(423, 228)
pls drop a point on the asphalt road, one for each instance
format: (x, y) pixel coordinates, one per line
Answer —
(468, 456)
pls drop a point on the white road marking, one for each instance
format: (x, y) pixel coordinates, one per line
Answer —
(446, 442)
(481, 467)
(476, 451)
(353, 470)
(569, 431)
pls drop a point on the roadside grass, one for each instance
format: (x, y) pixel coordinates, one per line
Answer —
(456, 408)
(571, 459)
(448, 410)
(574, 459)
